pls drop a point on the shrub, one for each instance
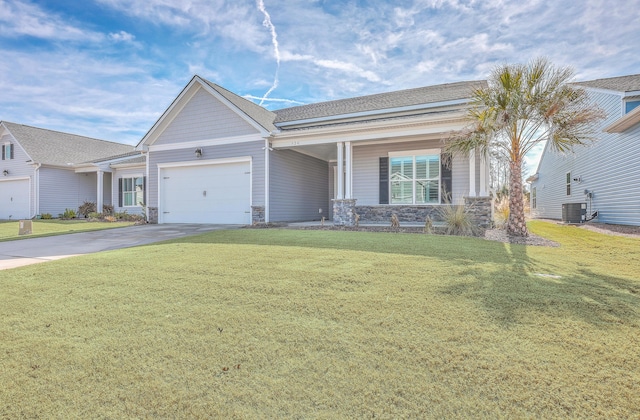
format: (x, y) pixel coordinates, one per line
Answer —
(86, 208)
(110, 219)
(107, 209)
(458, 220)
(69, 214)
(501, 211)
(46, 216)
(95, 215)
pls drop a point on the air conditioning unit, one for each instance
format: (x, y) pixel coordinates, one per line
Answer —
(574, 212)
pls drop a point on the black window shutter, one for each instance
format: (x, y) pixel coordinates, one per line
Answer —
(3, 152)
(384, 180)
(144, 190)
(446, 177)
(11, 150)
(119, 192)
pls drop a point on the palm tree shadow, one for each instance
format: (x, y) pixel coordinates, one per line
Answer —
(515, 293)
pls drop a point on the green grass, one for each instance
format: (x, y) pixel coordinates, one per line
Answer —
(284, 323)
(9, 229)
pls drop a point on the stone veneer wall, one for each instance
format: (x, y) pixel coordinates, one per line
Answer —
(257, 214)
(344, 212)
(152, 215)
(480, 209)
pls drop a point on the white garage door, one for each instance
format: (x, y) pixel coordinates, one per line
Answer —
(217, 193)
(14, 199)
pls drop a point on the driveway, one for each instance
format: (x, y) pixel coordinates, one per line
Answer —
(31, 251)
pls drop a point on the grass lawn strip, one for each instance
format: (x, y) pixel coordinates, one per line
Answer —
(283, 323)
(41, 228)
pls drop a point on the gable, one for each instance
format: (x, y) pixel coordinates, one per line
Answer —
(204, 117)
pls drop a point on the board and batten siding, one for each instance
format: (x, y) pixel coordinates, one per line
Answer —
(204, 117)
(254, 149)
(609, 168)
(115, 192)
(62, 189)
(18, 168)
(298, 187)
(366, 170)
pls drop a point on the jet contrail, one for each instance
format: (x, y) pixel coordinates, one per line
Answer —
(274, 40)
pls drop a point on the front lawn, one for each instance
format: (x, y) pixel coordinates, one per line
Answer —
(9, 228)
(305, 324)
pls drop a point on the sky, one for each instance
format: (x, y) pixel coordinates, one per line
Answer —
(109, 68)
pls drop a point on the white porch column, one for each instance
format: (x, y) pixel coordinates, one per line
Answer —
(100, 191)
(348, 170)
(472, 173)
(484, 171)
(340, 174)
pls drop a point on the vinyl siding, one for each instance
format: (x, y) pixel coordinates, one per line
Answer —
(610, 168)
(18, 168)
(125, 173)
(253, 149)
(62, 189)
(366, 171)
(298, 187)
(203, 118)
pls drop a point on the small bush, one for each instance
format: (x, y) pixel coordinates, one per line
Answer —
(457, 219)
(110, 219)
(86, 208)
(69, 214)
(501, 211)
(95, 215)
(107, 209)
(46, 216)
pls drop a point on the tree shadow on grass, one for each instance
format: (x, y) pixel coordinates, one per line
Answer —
(517, 291)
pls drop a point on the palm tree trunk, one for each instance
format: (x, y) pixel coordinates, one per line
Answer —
(516, 225)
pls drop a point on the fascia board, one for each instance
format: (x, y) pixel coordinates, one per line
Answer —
(624, 123)
(374, 112)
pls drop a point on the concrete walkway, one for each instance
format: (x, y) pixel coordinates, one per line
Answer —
(35, 250)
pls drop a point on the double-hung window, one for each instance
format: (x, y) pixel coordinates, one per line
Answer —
(414, 177)
(132, 192)
(568, 183)
(7, 151)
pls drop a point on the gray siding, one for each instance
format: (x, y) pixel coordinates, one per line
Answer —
(253, 149)
(298, 187)
(366, 187)
(125, 173)
(62, 189)
(18, 168)
(610, 168)
(204, 117)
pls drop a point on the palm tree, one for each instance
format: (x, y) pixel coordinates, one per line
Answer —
(519, 107)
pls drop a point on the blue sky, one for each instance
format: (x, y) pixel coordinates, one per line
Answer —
(109, 68)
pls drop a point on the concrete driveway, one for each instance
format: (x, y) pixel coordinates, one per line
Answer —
(35, 250)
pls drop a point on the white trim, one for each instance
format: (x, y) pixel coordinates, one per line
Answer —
(374, 112)
(99, 190)
(146, 193)
(472, 173)
(266, 181)
(18, 178)
(204, 162)
(204, 143)
(421, 152)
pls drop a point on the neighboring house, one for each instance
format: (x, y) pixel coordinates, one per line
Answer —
(44, 171)
(215, 157)
(605, 176)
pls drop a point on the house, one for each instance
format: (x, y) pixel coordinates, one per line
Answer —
(45, 171)
(215, 157)
(602, 179)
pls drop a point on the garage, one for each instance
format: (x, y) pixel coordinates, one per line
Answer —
(206, 193)
(14, 199)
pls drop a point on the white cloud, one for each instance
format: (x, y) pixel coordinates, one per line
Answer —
(122, 36)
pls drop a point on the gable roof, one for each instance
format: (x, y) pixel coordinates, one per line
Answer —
(628, 83)
(61, 149)
(261, 115)
(449, 92)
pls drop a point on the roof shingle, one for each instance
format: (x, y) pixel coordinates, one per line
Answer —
(628, 83)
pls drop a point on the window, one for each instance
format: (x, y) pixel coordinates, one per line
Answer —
(533, 198)
(631, 105)
(415, 179)
(7, 151)
(132, 192)
(568, 183)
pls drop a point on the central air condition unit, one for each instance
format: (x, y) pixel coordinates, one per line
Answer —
(574, 212)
